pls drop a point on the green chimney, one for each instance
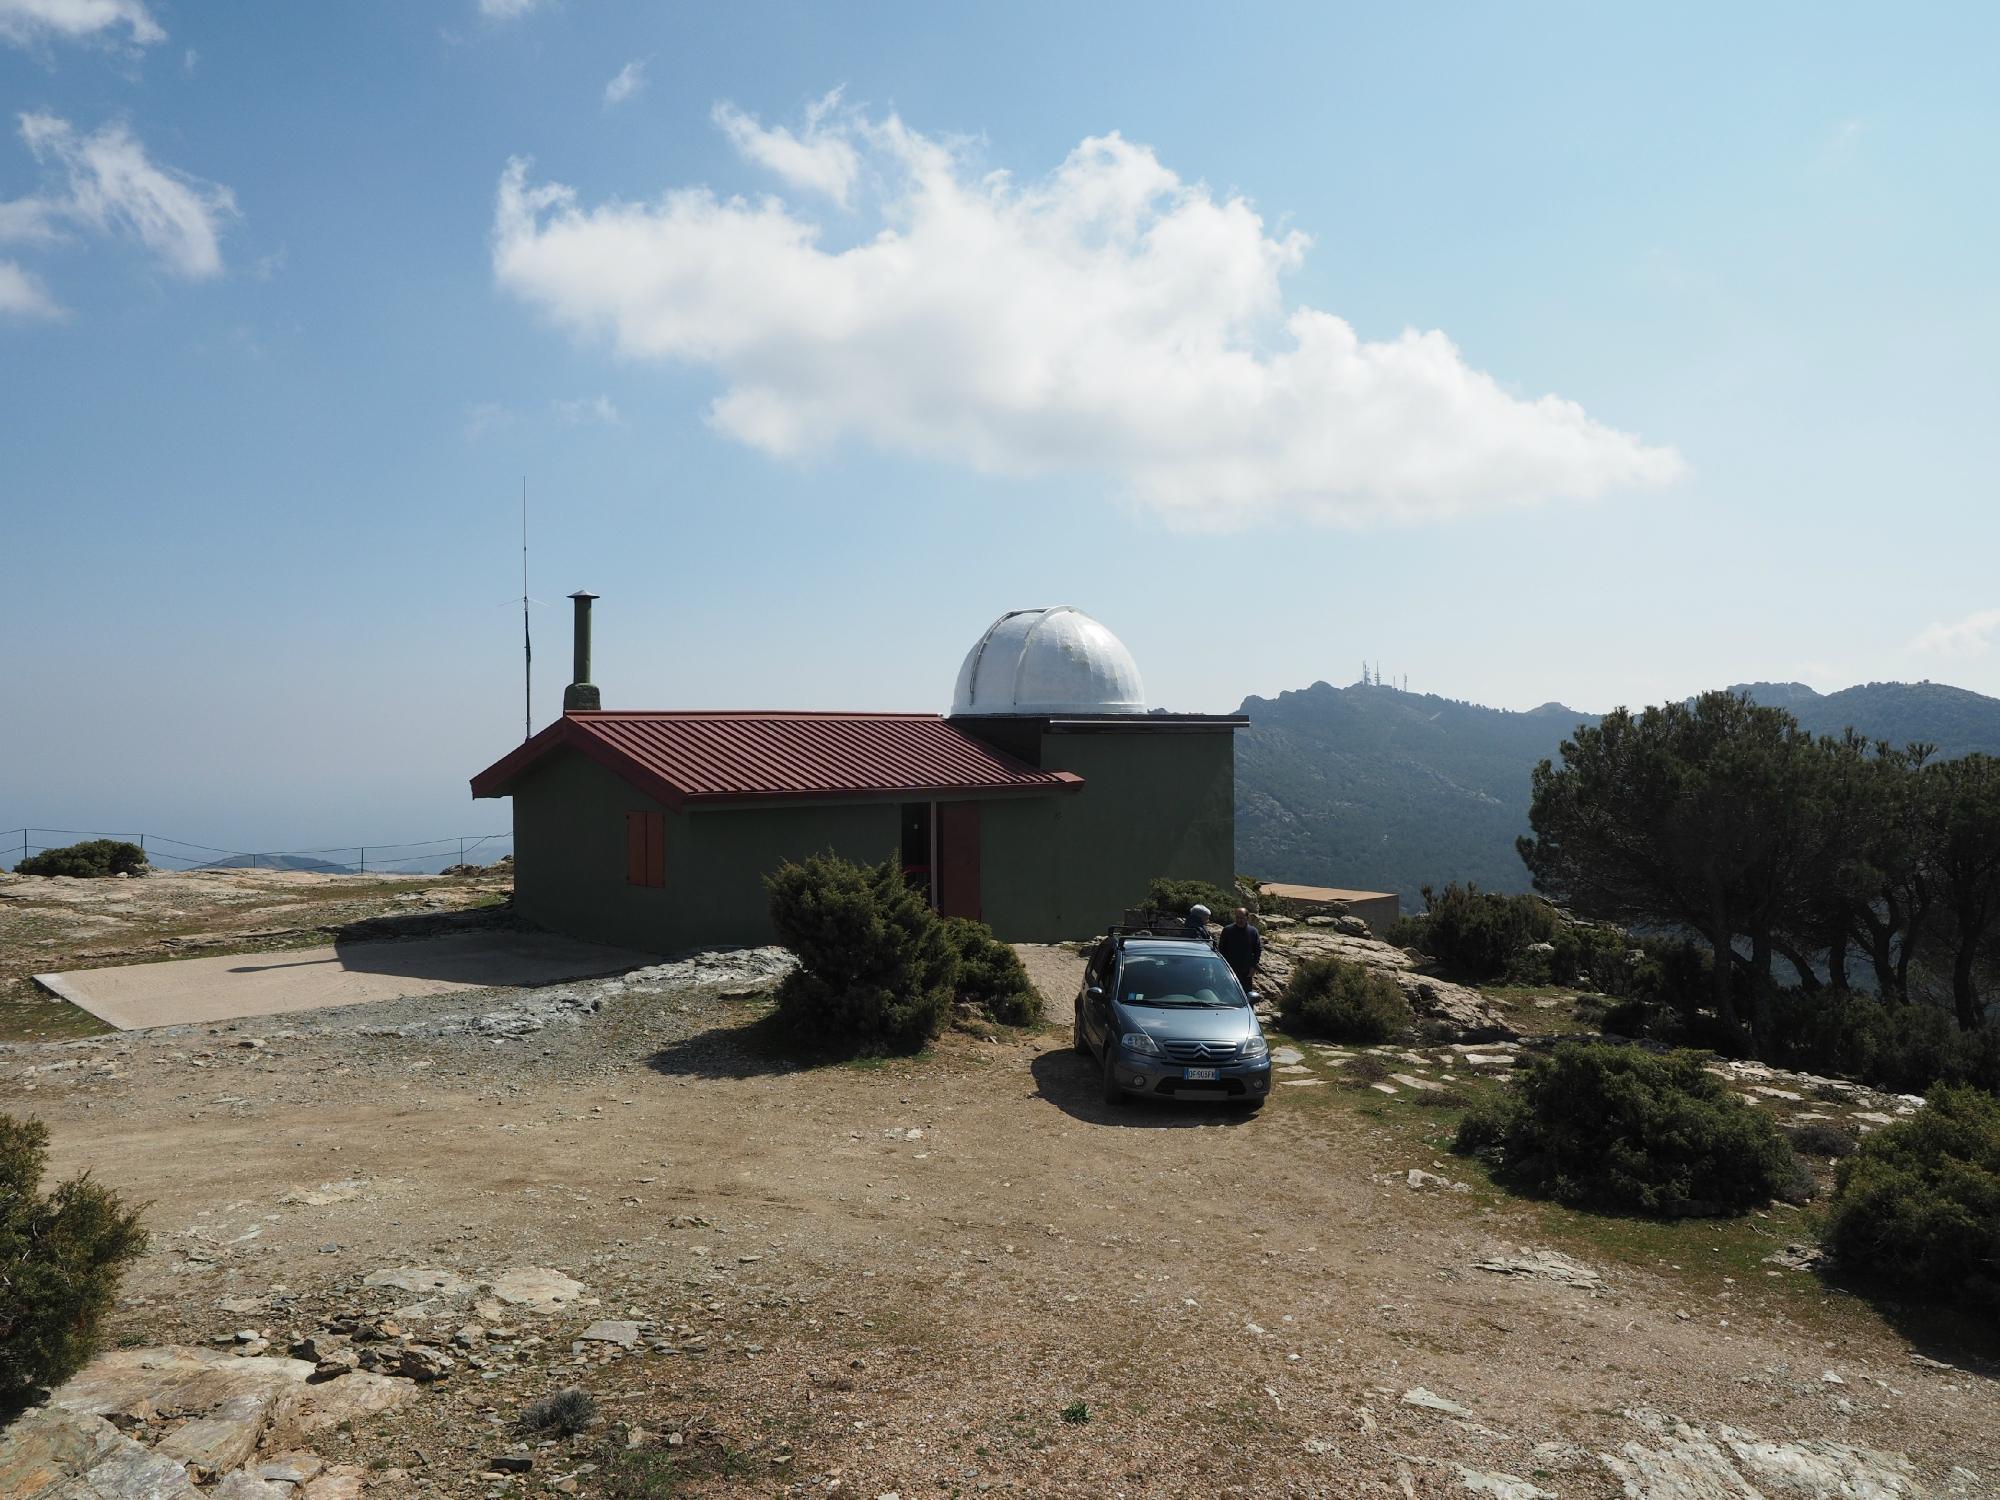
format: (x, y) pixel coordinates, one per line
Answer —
(582, 692)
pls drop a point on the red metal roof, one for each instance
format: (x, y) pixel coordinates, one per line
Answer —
(723, 757)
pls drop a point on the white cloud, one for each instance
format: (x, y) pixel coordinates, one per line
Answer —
(28, 219)
(1108, 318)
(482, 417)
(24, 22)
(22, 294)
(506, 10)
(821, 157)
(587, 409)
(110, 184)
(631, 80)
(1971, 636)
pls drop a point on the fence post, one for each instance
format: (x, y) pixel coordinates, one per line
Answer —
(364, 859)
(461, 851)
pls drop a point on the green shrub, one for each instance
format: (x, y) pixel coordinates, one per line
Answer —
(1600, 1126)
(991, 975)
(1821, 1138)
(1905, 1048)
(1919, 1204)
(876, 965)
(1482, 1131)
(1407, 932)
(1480, 934)
(93, 859)
(1177, 896)
(1343, 1002)
(61, 1255)
(1671, 973)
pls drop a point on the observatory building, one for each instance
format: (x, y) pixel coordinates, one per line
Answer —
(1042, 804)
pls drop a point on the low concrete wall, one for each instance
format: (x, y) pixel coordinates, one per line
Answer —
(1379, 909)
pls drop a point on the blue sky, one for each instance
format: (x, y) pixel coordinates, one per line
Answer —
(1249, 353)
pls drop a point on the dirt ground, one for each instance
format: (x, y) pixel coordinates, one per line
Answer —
(953, 1274)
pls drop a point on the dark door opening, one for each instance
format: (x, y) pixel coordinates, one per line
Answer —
(919, 849)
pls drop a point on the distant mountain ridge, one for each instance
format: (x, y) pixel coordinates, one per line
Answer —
(1380, 789)
(1956, 720)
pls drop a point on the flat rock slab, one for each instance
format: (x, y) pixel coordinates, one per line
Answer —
(1501, 1486)
(53, 1454)
(173, 1380)
(198, 990)
(1544, 1264)
(612, 1331)
(216, 1412)
(536, 1288)
(426, 1281)
(1431, 1401)
(1680, 1461)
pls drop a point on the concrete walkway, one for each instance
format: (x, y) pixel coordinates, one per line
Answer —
(189, 990)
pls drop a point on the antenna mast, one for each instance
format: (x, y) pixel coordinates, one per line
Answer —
(527, 645)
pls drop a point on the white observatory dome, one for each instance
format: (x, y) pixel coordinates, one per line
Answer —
(1048, 661)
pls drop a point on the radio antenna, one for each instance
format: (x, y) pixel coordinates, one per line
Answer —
(527, 645)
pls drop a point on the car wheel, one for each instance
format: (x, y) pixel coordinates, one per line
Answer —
(1247, 1107)
(1112, 1093)
(1082, 1046)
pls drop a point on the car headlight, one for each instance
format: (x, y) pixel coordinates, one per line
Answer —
(1139, 1042)
(1255, 1047)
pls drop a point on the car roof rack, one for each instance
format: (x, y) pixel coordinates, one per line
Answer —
(1143, 923)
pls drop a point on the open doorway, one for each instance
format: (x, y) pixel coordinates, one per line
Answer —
(920, 849)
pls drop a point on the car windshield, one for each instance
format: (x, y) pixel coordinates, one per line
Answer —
(1177, 979)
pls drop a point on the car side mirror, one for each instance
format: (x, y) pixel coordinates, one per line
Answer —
(1094, 992)
(1254, 997)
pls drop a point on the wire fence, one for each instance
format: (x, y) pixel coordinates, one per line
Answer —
(16, 844)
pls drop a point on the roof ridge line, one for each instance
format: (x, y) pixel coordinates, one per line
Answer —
(749, 713)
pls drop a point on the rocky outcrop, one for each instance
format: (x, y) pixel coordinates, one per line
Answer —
(1452, 1012)
(1680, 1461)
(53, 1454)
(177, 1423)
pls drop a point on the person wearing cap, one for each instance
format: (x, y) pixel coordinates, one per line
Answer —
(1197, 922)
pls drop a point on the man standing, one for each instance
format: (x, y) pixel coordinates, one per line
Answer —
(1196, 925)
(1242, 947)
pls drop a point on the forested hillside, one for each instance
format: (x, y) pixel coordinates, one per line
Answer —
(1386, 790)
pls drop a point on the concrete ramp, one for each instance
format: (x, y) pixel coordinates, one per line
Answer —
(194, 990)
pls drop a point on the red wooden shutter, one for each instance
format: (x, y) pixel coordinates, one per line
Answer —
(635, 848)
(656, 849)
(646, 848)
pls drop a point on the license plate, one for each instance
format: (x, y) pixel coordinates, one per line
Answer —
(1201, 1075)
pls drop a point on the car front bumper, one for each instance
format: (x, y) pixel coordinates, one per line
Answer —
(1162, 1078)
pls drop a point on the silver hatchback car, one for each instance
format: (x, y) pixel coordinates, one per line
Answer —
(1165, 1017)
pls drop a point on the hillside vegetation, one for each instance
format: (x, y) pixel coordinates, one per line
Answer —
(1386, 790)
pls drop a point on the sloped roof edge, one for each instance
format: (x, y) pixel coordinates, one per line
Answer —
(733, 757)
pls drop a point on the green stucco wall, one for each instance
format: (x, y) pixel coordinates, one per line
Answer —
(569, 858)
(1152, 803)
(1060, 866)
